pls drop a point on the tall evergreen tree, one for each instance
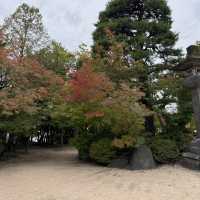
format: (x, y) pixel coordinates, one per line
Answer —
(144, 29)
(144, 26)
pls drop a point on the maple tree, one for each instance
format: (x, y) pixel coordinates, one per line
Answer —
(28, 90)
(106, 110)
(88, 86)
(29, 83)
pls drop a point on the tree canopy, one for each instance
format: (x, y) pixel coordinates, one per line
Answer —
(109, 100)
(143, 29)
(143, 26)
(24, 31)
(56, 58)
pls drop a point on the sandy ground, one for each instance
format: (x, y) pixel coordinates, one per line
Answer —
(58, 175)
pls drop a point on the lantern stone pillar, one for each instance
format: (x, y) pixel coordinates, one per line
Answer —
(191, 67)
(193, 83)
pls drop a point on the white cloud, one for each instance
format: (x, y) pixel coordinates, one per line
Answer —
(186, 17)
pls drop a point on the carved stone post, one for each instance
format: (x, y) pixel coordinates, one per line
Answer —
(193, 83)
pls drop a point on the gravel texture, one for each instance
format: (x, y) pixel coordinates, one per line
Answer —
(56, 174)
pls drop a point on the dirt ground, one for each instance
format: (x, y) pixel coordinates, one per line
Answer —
(56, 174)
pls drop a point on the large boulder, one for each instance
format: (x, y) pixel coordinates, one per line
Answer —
(142, 159)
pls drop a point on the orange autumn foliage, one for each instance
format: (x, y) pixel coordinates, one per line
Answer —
(96, 114)
(87, 85)
(28, 84)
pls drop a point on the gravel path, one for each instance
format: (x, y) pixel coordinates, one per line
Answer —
(57, 175)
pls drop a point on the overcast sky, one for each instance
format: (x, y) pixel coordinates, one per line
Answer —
(71, 22)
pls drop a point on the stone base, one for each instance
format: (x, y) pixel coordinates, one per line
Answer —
(190, 163)
(191, 158)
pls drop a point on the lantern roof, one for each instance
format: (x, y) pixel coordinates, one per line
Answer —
(192, 60)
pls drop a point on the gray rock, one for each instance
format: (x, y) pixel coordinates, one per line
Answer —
(194, 149)
(196, 142)
(142, 159)
(121, 163)
(192, 156)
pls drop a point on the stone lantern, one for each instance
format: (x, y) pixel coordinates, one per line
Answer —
(191, 67)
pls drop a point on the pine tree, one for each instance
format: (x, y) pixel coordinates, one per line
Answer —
(144, 26)
(144, 29)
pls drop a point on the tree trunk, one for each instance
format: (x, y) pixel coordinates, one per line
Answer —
(62, 138)
(150, 125)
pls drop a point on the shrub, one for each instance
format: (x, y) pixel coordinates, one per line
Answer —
(82, 143)
(102, 151)
(164, 150)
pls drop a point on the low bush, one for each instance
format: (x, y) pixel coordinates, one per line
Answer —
(164, 150)
(82, 143)
(102, 151)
